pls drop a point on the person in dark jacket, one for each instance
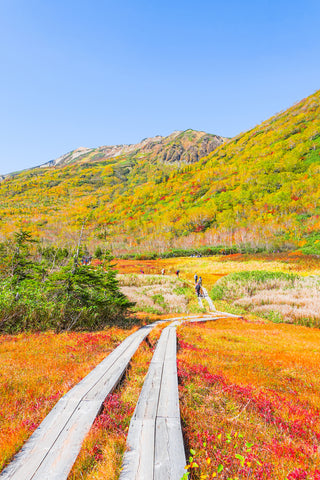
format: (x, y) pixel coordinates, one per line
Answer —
(195, 278)
(198, 288)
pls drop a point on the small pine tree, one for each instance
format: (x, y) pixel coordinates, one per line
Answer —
(88, 297)
(23, 266)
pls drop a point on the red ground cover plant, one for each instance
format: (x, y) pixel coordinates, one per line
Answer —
(36, 370)
(250, 400)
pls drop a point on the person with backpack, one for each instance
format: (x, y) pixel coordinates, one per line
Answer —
(177, 273)
(198, 289)
(195, 278)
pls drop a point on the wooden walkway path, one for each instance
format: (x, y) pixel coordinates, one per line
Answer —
(206, 296)
(155, 443)
(208, 299)
(54, 446)
(212, 308)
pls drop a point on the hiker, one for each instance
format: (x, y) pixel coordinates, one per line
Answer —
(177, 273)
(162, 271)
(198, 289)
(195, 278)
(200, 281)
(141, 271)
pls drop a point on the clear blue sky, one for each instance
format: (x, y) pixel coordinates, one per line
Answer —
(93, 72)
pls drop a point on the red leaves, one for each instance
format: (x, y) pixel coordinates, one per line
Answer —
(187, 346)
(294, 421)
(187, 373)
(298, 474)
(114, 416)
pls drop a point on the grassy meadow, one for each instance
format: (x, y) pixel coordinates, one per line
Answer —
(280, 297)
(249, 388)
(37, 370)
(213, 268)
(288, 292)
(250, 399)
(158, 294)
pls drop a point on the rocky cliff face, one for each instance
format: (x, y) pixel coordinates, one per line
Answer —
(189, 152)
(187, 147)
(179, 147)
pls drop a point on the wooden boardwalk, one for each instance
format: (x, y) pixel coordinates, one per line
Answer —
(155, 448)
(208, 299)
(206, 296)
(155, 443)
(212, 308)
(54, 446)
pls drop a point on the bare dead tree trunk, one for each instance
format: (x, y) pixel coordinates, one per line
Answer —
(76, 257)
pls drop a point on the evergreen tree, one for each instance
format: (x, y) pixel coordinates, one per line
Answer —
(23, 266)
(88, 297)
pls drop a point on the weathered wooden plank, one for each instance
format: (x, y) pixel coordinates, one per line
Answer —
(170, 457)
(114, 373)
(58, 461)
(54, 446)
(213, 316)
(149, 396)
(36, 448)
(225, 314)
(138, 462)
(157, 413)
(160, 350)
(52, 449)
(168, 406)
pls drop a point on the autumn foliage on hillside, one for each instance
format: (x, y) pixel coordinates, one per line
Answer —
(260, 189)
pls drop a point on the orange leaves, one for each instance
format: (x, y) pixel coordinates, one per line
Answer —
(36, 370)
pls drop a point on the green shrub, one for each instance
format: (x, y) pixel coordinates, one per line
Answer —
(312, 245)
(70, 297)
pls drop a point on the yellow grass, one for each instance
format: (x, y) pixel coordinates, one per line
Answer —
(257, 380)
(213, 268)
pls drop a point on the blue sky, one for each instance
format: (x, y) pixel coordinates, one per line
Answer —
(92, 72)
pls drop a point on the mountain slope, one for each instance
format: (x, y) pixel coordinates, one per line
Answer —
(187, 147)
(59, 192)
(260, 188)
